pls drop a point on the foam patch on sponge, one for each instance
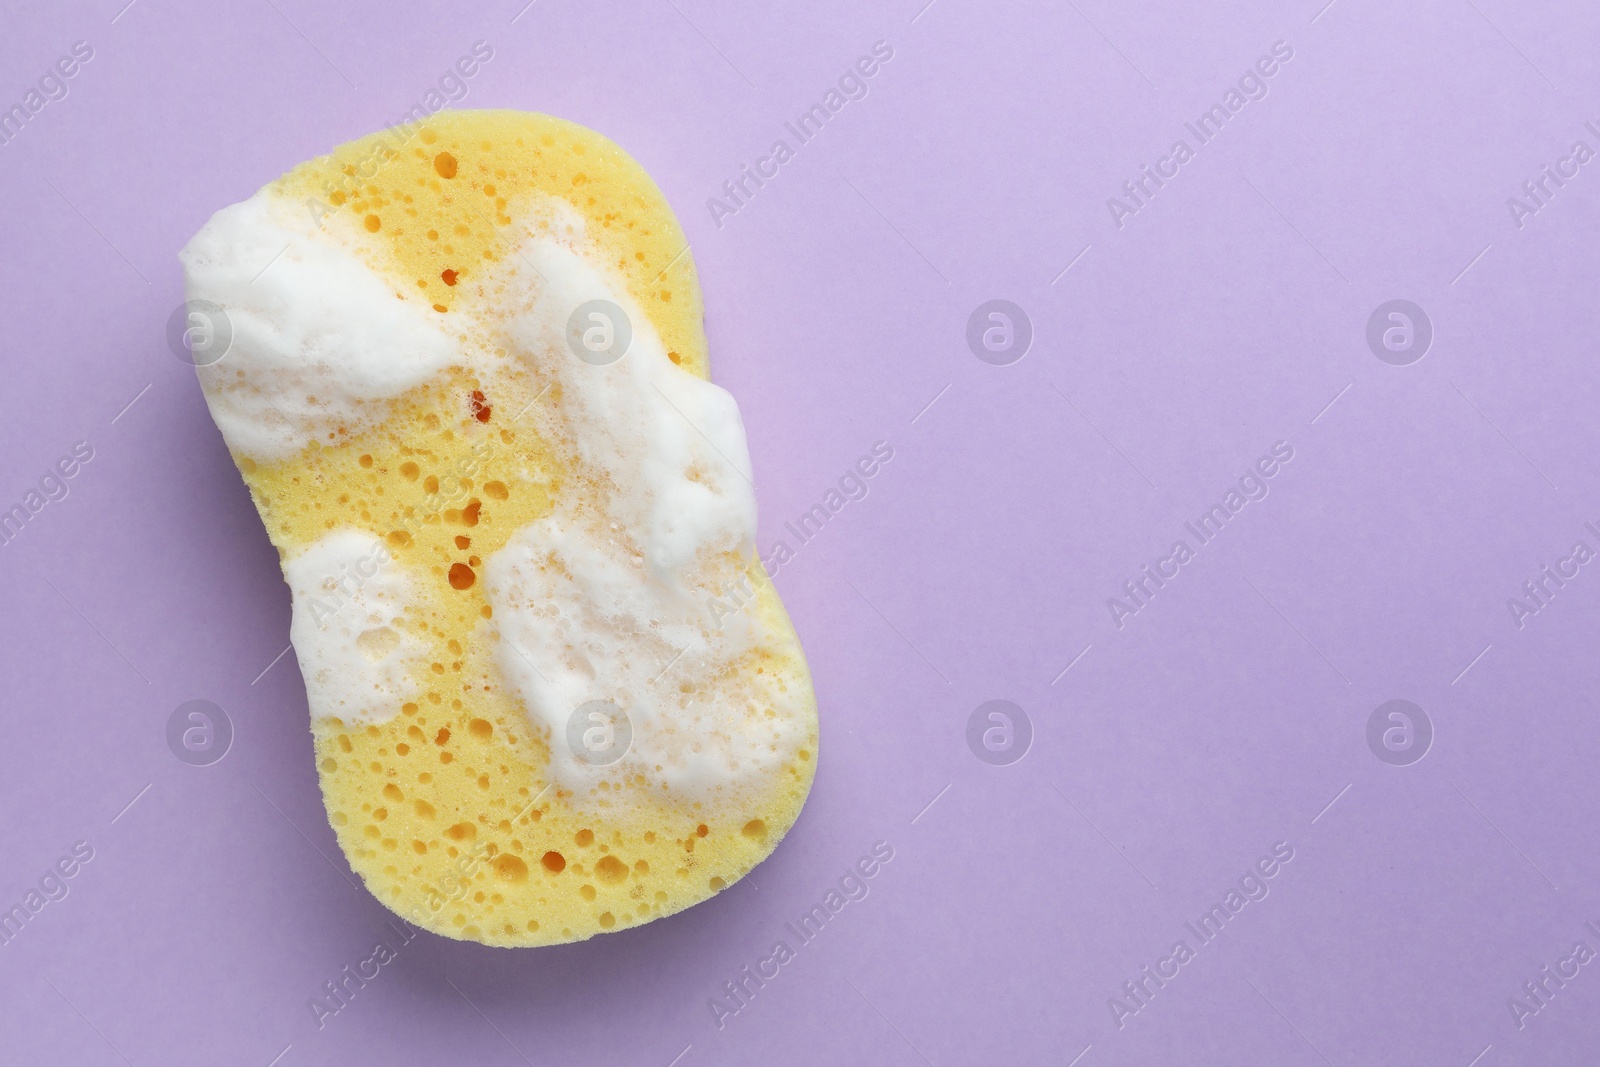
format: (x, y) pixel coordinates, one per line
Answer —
(502, 520)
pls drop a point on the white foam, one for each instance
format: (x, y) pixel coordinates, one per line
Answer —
(612, 604)
(348, 627)
(320, 339)
(608, 598)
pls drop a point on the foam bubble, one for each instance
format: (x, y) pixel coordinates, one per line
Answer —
(320, 338)
(607, 598)
(349, 630)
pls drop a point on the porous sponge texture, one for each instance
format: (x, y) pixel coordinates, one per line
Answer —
(447, 810)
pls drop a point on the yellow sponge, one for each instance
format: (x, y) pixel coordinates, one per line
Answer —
(464, 376)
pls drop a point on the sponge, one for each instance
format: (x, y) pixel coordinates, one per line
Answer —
(552, 691)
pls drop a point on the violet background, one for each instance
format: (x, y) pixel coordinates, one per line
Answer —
(1224, 717)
